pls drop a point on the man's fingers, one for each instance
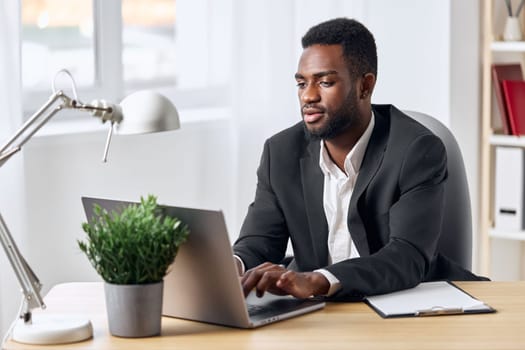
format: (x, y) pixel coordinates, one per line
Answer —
(250, 278)
(248, 282)
(254, 274)
(286, 279)
(296, 284)
(303, 284)
(277, 280)
(267, 282)
(255, 278)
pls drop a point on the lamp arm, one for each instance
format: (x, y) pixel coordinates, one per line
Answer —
(27, 279)
(100, 109)
(34, 119)
(8, 154)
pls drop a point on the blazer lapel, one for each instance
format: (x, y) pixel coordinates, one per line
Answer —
(371, 162)
(313, 184)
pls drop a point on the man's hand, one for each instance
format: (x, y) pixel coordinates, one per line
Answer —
(276, 279)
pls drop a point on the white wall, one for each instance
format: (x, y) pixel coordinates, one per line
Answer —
(464, 94)
(12, 205)
(413, 40)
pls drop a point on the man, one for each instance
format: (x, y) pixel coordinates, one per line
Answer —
(358, 188)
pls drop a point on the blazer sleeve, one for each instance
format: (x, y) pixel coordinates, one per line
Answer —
(414, 225)
(264, 234)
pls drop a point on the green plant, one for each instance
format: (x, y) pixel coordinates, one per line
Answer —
(135, 246)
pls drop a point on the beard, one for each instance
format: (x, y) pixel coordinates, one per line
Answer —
(337, 122)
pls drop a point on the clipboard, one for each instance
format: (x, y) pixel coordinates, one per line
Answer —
(427, 299)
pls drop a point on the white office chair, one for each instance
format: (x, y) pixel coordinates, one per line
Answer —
(456, 235)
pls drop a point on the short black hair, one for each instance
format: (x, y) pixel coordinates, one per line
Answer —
(359, 47)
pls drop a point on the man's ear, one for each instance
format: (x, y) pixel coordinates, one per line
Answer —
(368, 81)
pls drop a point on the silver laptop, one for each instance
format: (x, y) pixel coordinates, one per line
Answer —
(203, 284)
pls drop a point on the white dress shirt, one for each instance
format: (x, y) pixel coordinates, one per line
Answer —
(338, 189)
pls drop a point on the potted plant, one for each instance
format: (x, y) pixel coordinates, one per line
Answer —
(131, 250)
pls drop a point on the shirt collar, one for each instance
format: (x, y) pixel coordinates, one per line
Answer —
(353, 159)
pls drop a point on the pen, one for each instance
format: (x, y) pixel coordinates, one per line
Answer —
(437, 310)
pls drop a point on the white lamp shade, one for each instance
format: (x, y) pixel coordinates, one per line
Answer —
(147, 111)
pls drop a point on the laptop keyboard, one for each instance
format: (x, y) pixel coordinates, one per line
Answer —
(275, 305)
(256, 309)
(272, 308)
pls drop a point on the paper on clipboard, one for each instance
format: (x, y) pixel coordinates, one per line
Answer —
(427, 299)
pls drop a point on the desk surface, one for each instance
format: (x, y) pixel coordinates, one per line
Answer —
(338, 326)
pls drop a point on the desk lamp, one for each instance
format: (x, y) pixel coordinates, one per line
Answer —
(138, 113)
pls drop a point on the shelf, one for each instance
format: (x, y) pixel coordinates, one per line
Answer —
(495, 51)
(507, 140)
(508, 46)
(514, 235)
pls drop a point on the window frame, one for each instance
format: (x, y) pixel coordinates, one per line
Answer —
(109, 81)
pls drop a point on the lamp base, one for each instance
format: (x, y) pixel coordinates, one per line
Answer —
(52, 329)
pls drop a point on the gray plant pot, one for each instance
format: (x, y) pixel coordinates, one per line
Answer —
(134, 310)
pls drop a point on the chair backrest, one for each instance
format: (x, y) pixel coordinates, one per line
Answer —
(456, 235)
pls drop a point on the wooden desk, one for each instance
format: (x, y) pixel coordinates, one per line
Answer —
(338, 326)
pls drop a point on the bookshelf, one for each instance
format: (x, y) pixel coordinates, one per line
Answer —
(507, 140)
(503, 234)
(495, 51)
(506, 46)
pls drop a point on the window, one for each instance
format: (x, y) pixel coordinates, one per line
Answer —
(148, 40)
(57, 34)
(115, 47)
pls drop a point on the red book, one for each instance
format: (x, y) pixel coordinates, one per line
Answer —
(514, 92)
(502, 72)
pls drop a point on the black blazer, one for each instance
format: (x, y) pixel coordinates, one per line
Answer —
(394, 215)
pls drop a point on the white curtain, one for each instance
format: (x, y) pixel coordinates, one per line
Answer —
(11, 173)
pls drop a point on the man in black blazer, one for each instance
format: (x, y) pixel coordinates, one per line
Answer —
(357, 188)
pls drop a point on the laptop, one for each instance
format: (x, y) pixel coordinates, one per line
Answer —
(203, 284)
